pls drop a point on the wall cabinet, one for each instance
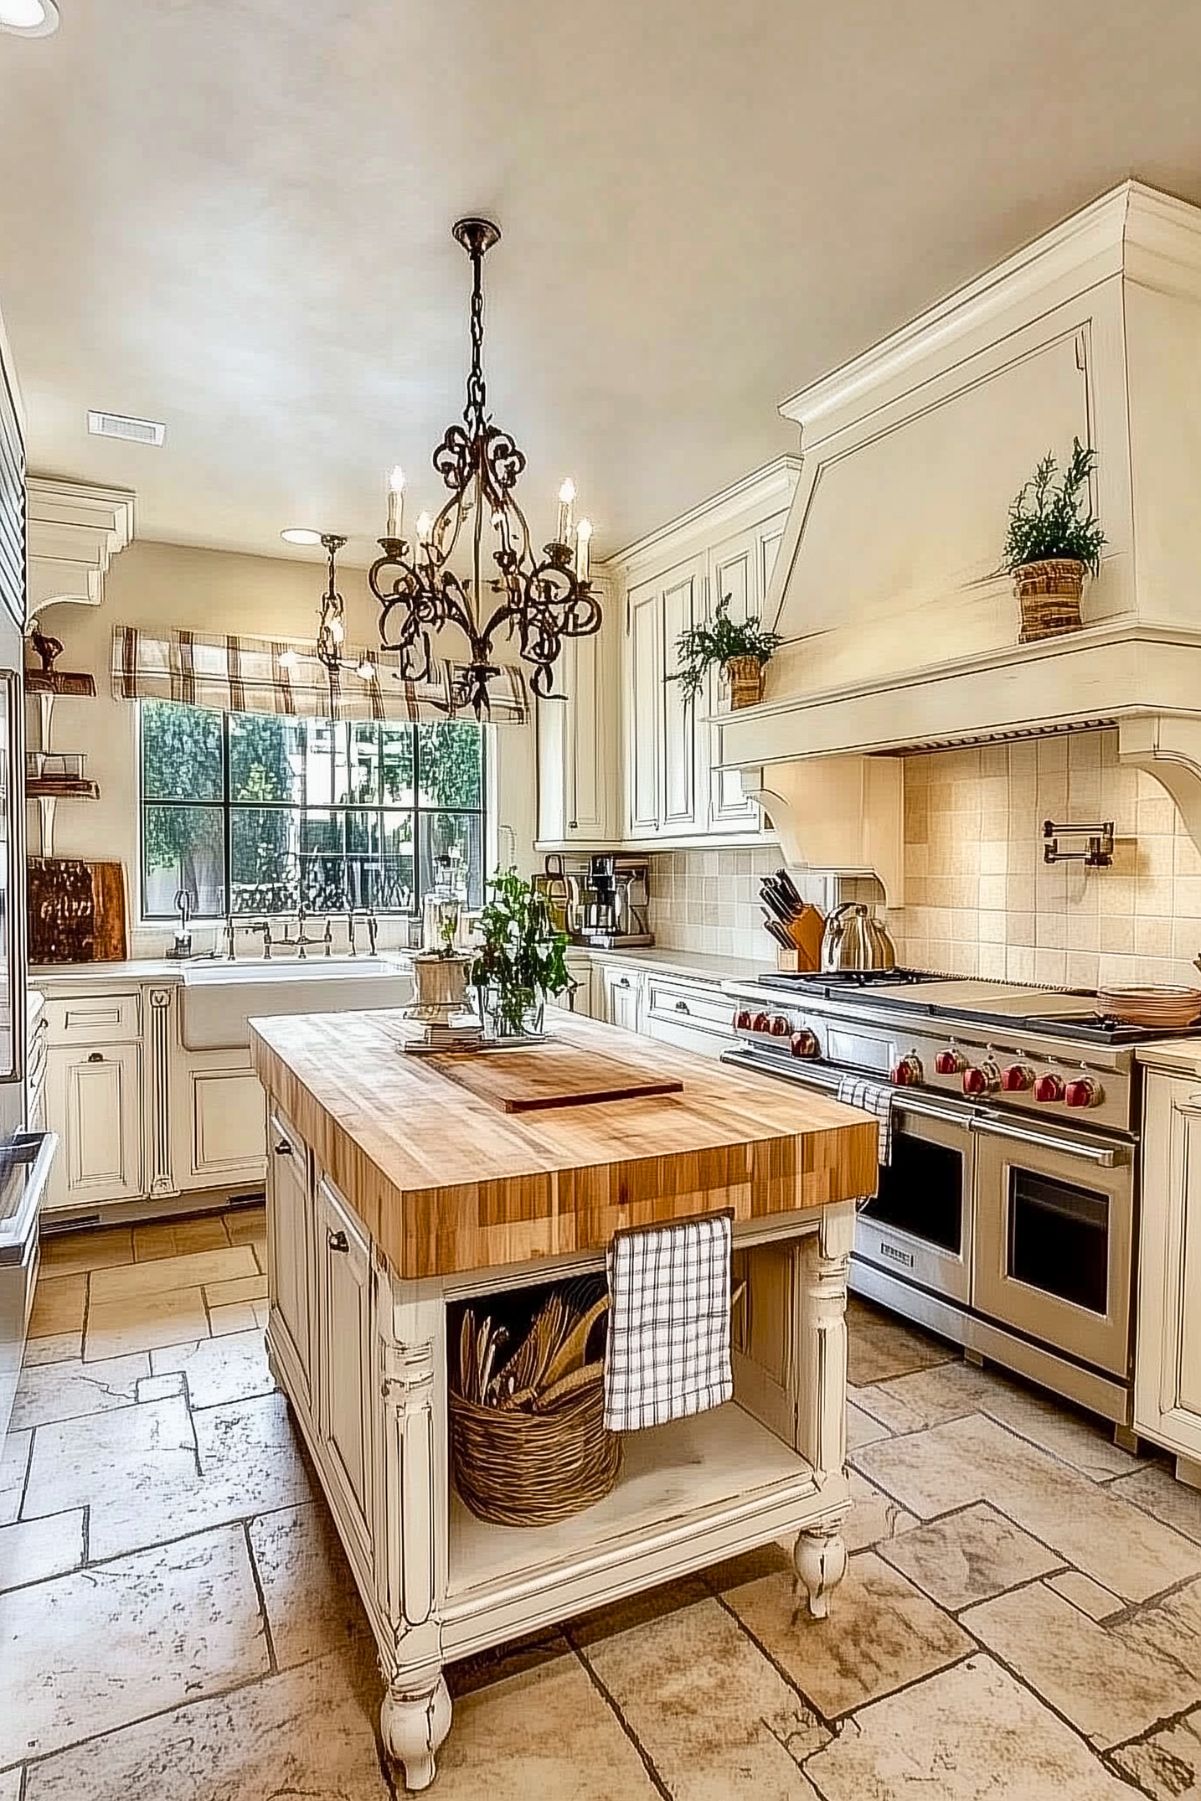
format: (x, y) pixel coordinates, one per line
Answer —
(578, 743)
(344, 1334)
(289, 1231)
(94, 1100)
(1167, 1370)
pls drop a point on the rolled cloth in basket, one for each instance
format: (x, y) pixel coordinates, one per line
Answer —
(668, 1349)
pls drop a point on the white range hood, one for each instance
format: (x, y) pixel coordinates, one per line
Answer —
(899, 634)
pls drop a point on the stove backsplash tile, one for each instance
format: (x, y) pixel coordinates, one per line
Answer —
(981, 901)
(708, 900)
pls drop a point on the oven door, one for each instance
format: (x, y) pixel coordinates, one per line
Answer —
(918, 1225)
(1055, 1238)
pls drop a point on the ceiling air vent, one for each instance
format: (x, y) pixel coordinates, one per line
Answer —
(118, 425)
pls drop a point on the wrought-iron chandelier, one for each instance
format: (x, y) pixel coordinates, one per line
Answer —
(331, 625)
(537, 598)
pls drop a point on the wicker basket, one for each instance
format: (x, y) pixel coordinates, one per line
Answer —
(745, 676)
(1049, 592)
(515, 1468)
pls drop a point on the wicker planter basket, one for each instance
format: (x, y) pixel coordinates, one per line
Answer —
(514, 1468)
(1049, 592)
(745, 676)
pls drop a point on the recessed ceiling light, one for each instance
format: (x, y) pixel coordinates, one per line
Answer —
(300, 534)
(29, 18)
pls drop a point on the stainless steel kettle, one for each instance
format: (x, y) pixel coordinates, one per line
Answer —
(853, 940)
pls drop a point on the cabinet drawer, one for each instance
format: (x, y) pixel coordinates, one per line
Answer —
(94, 1019)
(690, 1004)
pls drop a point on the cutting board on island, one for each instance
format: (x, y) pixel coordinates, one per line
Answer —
(532, 1077)
(77, 911)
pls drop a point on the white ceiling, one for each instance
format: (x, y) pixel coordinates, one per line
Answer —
(233, 215)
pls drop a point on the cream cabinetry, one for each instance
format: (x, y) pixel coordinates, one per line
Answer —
(578, 743)
(94, 1103)
(219, 1119)
(344, 1411)
(694, 1015)
(620, 996)
(674, 792)
(1167, 1371)
(289, 1236)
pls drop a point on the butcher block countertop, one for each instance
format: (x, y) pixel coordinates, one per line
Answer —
(446, 1181)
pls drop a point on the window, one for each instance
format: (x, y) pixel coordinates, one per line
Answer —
(256, 814)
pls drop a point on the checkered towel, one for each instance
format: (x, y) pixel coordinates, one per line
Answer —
(668, 1351)
(873, 1097)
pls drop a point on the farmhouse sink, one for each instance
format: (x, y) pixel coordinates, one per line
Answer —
(219, 998)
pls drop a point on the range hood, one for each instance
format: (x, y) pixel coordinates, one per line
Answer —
(899, 633)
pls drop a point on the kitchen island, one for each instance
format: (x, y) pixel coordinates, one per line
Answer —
(395, 1194)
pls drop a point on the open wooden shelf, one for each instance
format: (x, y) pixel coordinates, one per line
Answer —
(670, 1475)
(60, 681)
(56, 788)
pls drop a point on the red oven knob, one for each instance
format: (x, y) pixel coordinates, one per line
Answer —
(1083, 1092)
(780, 1026)
(1017, 1078)
(1049, 1088)
(760, 1023)
(743, 1020)
(979, 1079)
(949, 1063)
(908, 1072)
(804, 1044)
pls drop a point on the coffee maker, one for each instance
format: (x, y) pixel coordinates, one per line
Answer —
(610, 899)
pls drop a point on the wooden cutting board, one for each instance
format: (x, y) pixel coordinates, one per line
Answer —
(529, 1078)
(77, 911)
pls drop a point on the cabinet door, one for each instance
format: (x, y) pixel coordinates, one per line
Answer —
(622, 990)
(590, 751)
(94, 1103)
(227, 1117)
(644, 692)
(683, 595)
(733, 576)
(1167, 1371)
(344, 1336)
(290, 1246)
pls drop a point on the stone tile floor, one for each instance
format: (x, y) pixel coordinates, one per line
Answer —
(1021, 1615)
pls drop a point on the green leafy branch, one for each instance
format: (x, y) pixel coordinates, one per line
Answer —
(1047, 519)
(521, 957)
(713, 644)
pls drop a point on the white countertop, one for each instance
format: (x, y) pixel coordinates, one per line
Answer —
(703, 966)
(65, 978)
(1179, 1056)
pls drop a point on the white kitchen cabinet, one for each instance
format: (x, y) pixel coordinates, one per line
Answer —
(661, 723)
(94, 1102)
(220, 1120)
(642, 694)
(1167, 1368)
(577, 999)
(739, 570)
(344, 1334)
(697, 1016)
(289, 1235)
(621, 996)
(578, 742)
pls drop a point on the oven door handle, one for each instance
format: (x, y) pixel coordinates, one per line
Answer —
(920, 1110)
(1106, 1156)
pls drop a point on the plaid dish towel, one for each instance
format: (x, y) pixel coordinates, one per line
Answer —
(872, 1097)
(668, 1350)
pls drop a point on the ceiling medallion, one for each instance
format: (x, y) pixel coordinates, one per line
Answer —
(540, 598)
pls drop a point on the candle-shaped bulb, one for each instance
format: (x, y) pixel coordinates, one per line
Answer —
(566, 512)
(366, 670)
(288, 659)
(583, 541)
(425, 526)
(396, 502)
(337, 630)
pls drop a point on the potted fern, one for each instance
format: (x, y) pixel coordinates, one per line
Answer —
(520, 960)
(1054, 540)
(740, 648)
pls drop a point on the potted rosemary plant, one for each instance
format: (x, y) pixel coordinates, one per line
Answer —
(740, 648)
(520, 960)
(1054, 540)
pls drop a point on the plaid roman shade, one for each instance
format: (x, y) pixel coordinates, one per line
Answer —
(253, 675)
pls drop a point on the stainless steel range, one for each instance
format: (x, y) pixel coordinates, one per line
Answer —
(1006, 1216)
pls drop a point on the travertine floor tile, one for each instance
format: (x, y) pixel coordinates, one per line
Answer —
(928, 1397)
(862, 1429)
(60, 1391)
(56, 1347)
(874, 1516)
(142, 1322)
(239, 1316)
(161, 1273)
(161, 1388)
(135, 1467)
(1087, 1595)
(1170, 1628)
(969, 1556)
(1109, 1689)
(242, 1288)
(1087, 1444)
(715, 1718)
(651, 1604)
(882, 1346)
(544, 1733)
(969, 1734)
(882, 1633)
(10, 1785)
(230, 1368)
(246, 1225)
(179, 1237)
(14, 1463)
(312, 1604)
(1156, 1490)
(304, 1733)
(65, 1253)
(58, 1305)
(502, 1661)
(976, 1459)
(1167, 1764)
(33, 1550)
(92, 1651)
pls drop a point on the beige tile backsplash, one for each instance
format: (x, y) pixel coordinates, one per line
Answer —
(981, 901)
(708, 900)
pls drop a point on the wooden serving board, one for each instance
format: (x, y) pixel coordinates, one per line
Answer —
(77, 911)
(548, 1075)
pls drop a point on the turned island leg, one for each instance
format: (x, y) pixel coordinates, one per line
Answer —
(820, 1556)
(413, 1723)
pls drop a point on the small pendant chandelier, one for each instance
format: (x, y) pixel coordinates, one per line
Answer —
(331, 625)
(536, 598)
